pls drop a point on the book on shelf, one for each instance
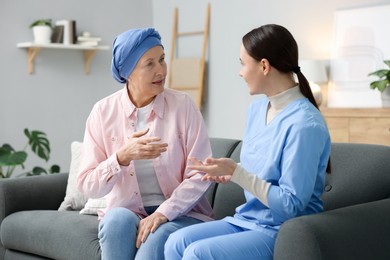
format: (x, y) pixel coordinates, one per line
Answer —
(58, 34)
(91, 43)
(88, 39)
(69, 31)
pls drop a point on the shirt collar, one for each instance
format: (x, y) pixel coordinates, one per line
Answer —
(129, 107)
(282, 99)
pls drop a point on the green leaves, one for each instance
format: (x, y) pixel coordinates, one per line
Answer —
(384, 78)
(380, 84)
(10, 158)
(379, 73)
(55, 169)
(46, 22)
(39, 170)
(39, 143)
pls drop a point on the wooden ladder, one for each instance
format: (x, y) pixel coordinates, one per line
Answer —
(188, 74)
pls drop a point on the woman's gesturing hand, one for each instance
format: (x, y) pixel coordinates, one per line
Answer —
(149, 225)
(140, 147)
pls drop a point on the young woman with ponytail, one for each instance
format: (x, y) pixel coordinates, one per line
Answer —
(284, 157)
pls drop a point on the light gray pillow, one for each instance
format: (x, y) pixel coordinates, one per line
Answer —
(93, 205)
(74, 199)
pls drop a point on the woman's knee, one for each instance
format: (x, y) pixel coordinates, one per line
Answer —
(118, 220)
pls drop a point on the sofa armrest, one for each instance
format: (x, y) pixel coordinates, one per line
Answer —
(355, 232)
(31, 193)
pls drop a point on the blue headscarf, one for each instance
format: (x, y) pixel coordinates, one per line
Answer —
(128, 48)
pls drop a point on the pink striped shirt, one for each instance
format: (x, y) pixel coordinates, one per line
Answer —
(177, 121)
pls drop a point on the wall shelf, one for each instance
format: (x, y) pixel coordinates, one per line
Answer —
(34, 48)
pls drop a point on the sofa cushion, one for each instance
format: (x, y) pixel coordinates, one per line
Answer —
(74, 199)
(93, 205)
(359, 174)
(354, 232)
(226, 199)
(222, 147)
(53, 234)
(16, 255)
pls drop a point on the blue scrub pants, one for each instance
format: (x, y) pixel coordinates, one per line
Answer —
(118, 234)
(218, 240)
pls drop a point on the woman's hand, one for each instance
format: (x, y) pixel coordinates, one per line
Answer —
(218, 170)
(139, 147)
(149, 225)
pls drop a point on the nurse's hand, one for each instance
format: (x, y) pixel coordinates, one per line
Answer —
(219, 170)
(140, 147)
(218, 179)
(149, 225)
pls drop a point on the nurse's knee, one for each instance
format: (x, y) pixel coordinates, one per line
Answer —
(198, 250)
(179, 237)
(175, 245)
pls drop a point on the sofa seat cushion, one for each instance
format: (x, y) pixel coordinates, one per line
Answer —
(359, 174)
(53, 234)
(356, 232)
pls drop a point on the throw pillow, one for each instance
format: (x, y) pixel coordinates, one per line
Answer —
(93, 205)
(74, 199)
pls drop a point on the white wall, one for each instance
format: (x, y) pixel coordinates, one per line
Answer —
(58, 97)
(311, 23)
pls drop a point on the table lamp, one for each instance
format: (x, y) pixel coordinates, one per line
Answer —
(315, 73)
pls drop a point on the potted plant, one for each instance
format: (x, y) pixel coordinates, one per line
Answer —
(10, 159)
(42, 30)
(383, 83)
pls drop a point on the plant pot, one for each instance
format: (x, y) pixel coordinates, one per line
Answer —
(386, 97)
(42, 34)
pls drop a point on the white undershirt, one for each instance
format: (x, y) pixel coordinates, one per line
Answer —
(149, 186)
(278, 102)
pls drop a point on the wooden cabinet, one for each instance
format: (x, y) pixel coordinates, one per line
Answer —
(358, 125)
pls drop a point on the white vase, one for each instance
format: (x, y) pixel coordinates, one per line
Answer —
(42, 34)
(386, 97)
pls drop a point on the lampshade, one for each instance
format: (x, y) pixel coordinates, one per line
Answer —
(315, 73)
(314, 70)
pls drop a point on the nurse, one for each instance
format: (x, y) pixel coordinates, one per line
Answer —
(284, 157)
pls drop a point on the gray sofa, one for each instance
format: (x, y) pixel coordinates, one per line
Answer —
(354, 225)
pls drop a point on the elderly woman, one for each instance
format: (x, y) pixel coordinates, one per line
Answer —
(136, 146)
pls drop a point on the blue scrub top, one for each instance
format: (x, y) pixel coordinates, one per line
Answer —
(291, 153)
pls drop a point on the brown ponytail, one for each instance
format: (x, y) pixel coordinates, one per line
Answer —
(304, 86)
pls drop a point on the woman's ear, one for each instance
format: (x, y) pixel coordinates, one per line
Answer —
(264, 66)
